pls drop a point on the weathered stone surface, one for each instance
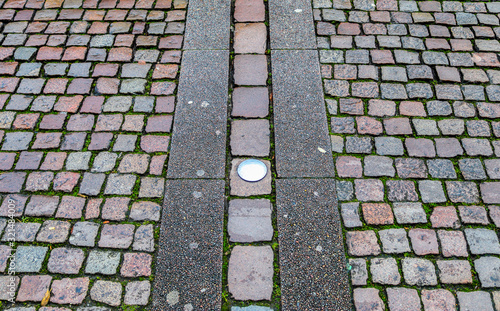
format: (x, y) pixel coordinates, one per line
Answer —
(250, 220)
(250, 274)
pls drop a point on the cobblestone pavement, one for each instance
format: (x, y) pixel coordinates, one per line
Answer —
(412, 91)
(410, 111)
(87, 96)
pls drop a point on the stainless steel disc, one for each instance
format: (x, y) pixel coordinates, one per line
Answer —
(252, 170)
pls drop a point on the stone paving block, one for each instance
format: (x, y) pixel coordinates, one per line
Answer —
(362, 243)
(438, 299)
(358, 271)
(102, 262)
(394, 241)
(385, 271)
(482, 241)
(33, 287)
(23, 232)
(477, 300)
(250, 138)
(136, 265)
(420, 272)
(29, 259)
(245, 263)
(250, 70)
(106, 292)
(240, 187)
(250, 38)
(424, 241)
(403, 299)
(84, 234)
(250, 102)
(65, 260)
(368, 299)
(454, 271)
(350, 215)
(490, 192)
(205, 30)
(250, 220)
(409, 212)
(53, 231)
(8, 287)
(116, 236)
(473, 215)
(137, 293)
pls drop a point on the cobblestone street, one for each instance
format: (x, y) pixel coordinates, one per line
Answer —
(123, 124)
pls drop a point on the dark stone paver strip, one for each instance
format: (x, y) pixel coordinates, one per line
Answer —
(417, 81)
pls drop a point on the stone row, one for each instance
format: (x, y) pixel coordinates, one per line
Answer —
(40, 18)
(71, 207)
(415, 168)
(424, 241)
(410, 6)
(422, 272)
(415, 147)
(82, 233)
(431, 191)
(75, 290)
(407, 299)
(414, 213)
(250, 270)
(103, 4)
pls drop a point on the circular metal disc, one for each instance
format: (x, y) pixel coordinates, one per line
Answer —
(252, 170)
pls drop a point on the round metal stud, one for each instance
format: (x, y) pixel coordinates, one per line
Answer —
(252, 170)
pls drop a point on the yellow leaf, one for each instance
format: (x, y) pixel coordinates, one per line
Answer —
(46, 298)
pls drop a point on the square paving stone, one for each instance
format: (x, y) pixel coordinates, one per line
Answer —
(490, 192)
(424, 241)
(477, 300)
(136, 265)
(250, 38)
(239, 187)
(394, 241)
(13, 200)
(40, 205)
(473, 215)
(84, 234)
(403, 299)
(70, 207)
(453, 243)
(65, 260)
(102, 262)
(117, 236)
(482, 241)
(107, 292)
(249, 11)
(409, 213)
(250, 69)
(438, 299)
(250, 274)
(69, 291)
(488, 269)
(54, 231)
(420, 272)
(362, 243)
(454, 271)
(250, 102)
(250, 220)
(250, 138)
(29, 258)
(368, 298)
(358, 272)
(137, 293)
(120, 184)
(24, 232)
(144, 239)
(385, 271)
(8, 287)
(33, 287)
